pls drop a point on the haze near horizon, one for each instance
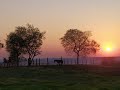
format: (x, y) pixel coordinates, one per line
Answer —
(57, 16)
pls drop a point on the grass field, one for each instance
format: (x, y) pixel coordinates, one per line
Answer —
(59, 78)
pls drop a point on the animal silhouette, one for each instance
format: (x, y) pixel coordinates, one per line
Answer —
(59, 62)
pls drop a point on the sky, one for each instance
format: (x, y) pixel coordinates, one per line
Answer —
(57, 16)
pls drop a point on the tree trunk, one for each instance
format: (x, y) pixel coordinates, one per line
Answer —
(29, 62)
(77, 58)
(17, 62)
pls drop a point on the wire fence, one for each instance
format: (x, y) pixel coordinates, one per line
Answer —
(66, 61)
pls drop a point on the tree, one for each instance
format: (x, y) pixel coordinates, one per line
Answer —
(14, 45)
(79, 42)
(33, 41)
(25, 40)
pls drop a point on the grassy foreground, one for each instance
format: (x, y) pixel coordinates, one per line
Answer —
(56, 78)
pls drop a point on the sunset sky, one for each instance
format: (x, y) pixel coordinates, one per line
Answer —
(102, 17)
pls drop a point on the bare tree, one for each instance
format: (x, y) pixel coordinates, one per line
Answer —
(79, 42)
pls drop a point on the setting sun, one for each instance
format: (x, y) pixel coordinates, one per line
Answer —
(108, 49)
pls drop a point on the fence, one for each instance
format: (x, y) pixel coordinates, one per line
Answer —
(66, 61)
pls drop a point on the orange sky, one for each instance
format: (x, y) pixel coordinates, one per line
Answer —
(56, 16)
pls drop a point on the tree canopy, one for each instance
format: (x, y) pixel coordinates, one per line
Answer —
(79, 42)
(25, 40)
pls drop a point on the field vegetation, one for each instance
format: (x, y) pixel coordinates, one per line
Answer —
(60, 78)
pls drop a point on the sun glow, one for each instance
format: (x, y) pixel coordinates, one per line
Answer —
(108, 49)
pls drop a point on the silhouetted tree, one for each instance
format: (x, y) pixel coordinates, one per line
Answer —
(25, 40)
(14, 46)
(33, 41)
(79, 42)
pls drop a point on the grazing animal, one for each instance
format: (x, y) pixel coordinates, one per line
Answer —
(59, 62)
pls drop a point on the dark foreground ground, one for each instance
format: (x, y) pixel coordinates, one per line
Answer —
(60, 78)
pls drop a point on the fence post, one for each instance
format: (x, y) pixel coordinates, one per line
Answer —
(63, 60)
(33, 62)
(39, 61)
(47, 61)
(36, 62)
